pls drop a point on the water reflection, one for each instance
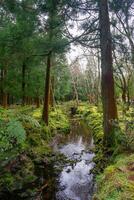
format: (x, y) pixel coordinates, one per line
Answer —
(75, 181)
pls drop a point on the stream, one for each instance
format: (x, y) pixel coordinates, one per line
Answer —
(75, 181)
(66, 173)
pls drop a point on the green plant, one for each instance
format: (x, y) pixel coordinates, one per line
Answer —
(28, 121)
(12, 134)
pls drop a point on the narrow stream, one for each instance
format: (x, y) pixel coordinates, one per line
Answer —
(67, 173)
(75, 182)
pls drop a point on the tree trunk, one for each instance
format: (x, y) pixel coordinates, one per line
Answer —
(52, 100)
(37, 101)
(5, 96)
(23, 83)
(47, 91)
(1, 86)
(5, 100)
(124, 95)
(107, 82)
(128, 99)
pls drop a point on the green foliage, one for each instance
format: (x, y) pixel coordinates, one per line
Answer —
(93, 117)
(124, 134)
(116, 182)
(12, 134)
(59, 120)
(62, 80)
(24, 143)
(28, 121)
(16, 131)
(94, 120)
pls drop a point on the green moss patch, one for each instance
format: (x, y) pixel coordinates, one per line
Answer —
(117, 182)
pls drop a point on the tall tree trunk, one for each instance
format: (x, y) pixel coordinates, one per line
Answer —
(5, 95)
(124, 95)
(5, 100)
(37, 101)
(47, 91)
(52, 100)
(108, 94)
(128, 99)
(99, 78)
(23, 83)
(1, 86)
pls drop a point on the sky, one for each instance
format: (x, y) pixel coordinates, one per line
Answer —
(76, 51)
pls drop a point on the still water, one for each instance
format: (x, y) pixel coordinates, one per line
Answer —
(75, 182)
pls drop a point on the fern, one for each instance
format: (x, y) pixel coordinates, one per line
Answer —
(12, 134)
(28, 119)
(15, 130)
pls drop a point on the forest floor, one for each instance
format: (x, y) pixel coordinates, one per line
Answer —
(26, 146)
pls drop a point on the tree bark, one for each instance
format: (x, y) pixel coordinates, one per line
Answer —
(4, 94)
(23, 83)
(52, 100)
(45, 113)
(107, 82)
(37, 101)
(1, 86)
(5, 100)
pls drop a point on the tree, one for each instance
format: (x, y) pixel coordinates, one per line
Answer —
(62, 79)
(123, 22)
(56, 43)
(123, 71)
(18, 44)
(108, 94)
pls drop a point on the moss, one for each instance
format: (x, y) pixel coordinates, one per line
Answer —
(7, 181)
(17, 174)
(115, 182)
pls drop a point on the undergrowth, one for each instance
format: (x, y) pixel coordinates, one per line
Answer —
(115, 179)
(25, 144)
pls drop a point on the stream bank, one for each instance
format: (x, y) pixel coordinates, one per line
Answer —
(114, 175)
